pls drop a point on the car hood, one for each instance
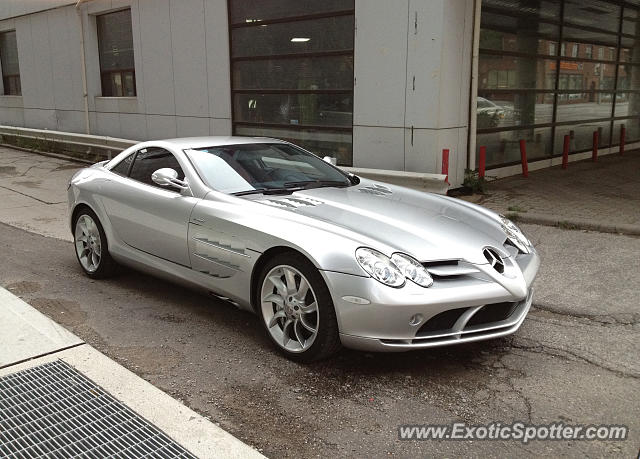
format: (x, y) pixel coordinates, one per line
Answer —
(427, 226)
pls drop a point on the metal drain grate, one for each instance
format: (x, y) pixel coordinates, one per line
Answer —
(53, 410)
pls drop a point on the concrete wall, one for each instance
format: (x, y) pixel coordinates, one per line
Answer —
(412, 77)
(181, 50)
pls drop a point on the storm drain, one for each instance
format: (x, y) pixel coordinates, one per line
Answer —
(53, 410)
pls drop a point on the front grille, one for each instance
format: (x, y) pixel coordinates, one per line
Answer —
(511, 249)
(54, 411)
(494, 259)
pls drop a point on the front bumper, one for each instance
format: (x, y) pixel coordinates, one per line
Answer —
(413, 317)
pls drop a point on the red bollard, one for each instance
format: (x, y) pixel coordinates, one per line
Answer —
(523, 157)
(445, 164)
(565, 152)
(594, 155)
(482, 162)
(623, 131)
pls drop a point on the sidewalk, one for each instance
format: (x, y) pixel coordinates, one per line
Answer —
(602, 196)
(33, 192)
(31, 341)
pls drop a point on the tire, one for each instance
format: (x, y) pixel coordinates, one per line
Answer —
(298, 330)
(90, 244)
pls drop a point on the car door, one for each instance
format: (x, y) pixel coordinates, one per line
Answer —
(147, 216)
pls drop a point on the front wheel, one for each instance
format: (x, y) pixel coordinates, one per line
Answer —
(296, 309)
(90, 243)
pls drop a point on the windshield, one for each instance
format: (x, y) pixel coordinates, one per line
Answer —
(257, 167)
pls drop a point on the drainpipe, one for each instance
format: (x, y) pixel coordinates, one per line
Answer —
(473, 125)
(85, 94)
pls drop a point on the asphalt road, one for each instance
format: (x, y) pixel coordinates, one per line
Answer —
(574, 360)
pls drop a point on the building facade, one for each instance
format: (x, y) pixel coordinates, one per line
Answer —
(548, 69)
(381, 84)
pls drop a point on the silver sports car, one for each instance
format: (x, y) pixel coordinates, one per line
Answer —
(324, 258)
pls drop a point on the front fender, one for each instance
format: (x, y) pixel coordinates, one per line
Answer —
(257, 227)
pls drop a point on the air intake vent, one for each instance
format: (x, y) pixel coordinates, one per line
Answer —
(449, 268)
(54, 411)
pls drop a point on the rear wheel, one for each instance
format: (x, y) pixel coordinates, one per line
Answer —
(296, 309)
(91, 247)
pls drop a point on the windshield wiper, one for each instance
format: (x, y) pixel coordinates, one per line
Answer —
(305, 184)
(268, 191)
(290, 187)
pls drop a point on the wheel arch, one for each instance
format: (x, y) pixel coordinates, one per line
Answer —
(76, 210)
(262, 261)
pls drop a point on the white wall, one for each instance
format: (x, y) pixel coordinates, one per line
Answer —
(412, 77)
(14, 8)
(181, 50)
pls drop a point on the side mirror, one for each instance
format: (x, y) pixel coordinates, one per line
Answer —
(168, 177)
(330, 160)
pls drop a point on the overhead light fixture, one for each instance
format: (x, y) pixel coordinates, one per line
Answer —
(300, 39)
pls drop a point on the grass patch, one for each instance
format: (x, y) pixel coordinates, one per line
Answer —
(567, 225)
(474, 182)
(516, 209)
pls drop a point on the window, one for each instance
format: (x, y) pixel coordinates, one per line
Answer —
(547, 98)
(149, 160)
(123, 167)
(115, 47)
(9, 63)
(292, 72)
(241, 168)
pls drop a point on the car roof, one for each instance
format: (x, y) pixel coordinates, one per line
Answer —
(187, 143)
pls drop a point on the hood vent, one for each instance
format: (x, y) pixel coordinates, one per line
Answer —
(377, 190)
(292, 202)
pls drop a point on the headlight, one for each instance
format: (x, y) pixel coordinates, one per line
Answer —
(380, 267)
(515, 235)
(412, 269)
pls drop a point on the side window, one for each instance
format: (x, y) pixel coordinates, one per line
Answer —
(122, 168)
(150, 160)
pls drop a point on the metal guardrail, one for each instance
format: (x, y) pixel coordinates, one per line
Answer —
(95, 148)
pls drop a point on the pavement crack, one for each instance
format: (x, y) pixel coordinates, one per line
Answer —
(565, 354)
(603, 319)
(510, 382)
(27, 171)
(29, 196)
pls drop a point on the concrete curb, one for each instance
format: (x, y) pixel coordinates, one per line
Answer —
(48, 153)
(577, 224)
(92, 148)
(28, 339)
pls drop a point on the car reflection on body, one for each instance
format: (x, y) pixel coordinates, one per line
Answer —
(324, 258)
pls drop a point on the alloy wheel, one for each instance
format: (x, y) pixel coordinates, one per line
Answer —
(88, 243)
(290, 308)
